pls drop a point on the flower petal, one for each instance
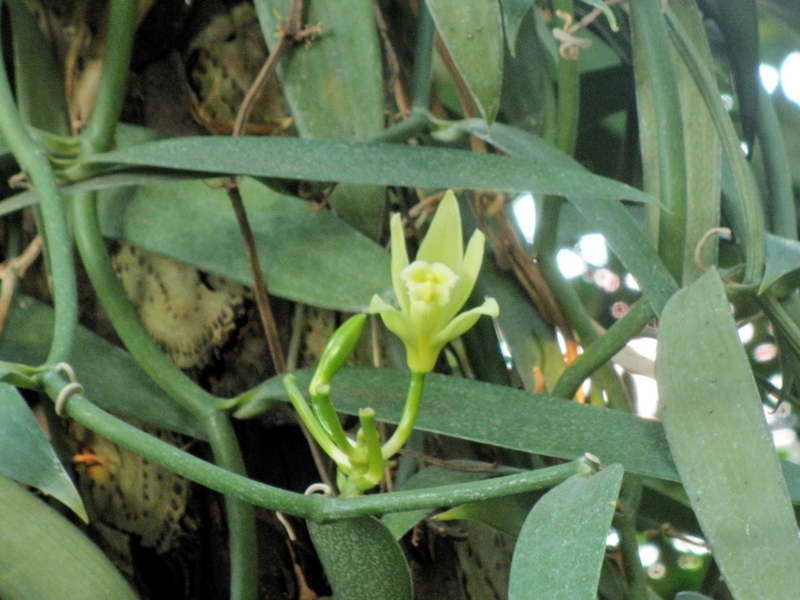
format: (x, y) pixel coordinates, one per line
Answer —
(444, 242)
(396, 322)
(463, 322)
(399, 262)
(467, 275)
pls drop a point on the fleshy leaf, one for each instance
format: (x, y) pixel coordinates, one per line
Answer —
(362, 559)
(562, 544)
(721, 444)
(472, 30)
(26, 456)
(783, 258)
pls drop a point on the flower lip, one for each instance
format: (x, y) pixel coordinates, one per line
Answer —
(429, 283)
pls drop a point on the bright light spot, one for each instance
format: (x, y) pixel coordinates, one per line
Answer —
(783, 437)
(570, 264)
(727, 101)
(765, 352)
(745, 148)
(790, 77)
(645, 346)
(525, 213)
(646, 396)
(690, 544)
(631, 283)
(769, 77)
(613, 539)
(746, 333)
(649, 554)
(562, 343)
(776, 380)
(592, 249)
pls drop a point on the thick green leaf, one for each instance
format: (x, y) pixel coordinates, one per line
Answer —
(527, 76)
(505, 417)
(714, 421)
(334, 86)
(783, 257)
(379, 164)
(472, 30)
(37, 76)
(310, 257)
(506, 514)
(661, 132)
(513, 13)
(508, 418)
(562, 544)
(26, 456)
(45, 557)
(334, 89)
(362, 559)
(110, 376)
(702, 149)
(401, 522)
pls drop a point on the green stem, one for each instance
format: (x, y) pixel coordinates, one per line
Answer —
(208, 409)
(33, 161)
(184, 464)
(423, 60)
(568, 94)
(599, 352)
(241, 519)
(338, 454)
(308, 507)
(776, 165)
(625, 523)
(99, 133)
(650, 35)
(570, 303)
(90, 243)
(418, 122)
(452, 495)
(409, 418)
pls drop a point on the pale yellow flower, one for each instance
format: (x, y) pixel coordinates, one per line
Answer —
(431, 290)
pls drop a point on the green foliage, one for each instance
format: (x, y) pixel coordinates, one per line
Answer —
(661, 178)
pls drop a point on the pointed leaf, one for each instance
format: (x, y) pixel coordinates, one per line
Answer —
(45, 557)
(334, 89)
(380, 164)
(513, 13)
(562, 544)
(37, 76)
(472, 30)
(362, 559)
(401, 522)
(783, 257)
(506, 514)
(721, 444)
(27, 457)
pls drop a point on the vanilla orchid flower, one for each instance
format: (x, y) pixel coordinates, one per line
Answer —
(431, 290)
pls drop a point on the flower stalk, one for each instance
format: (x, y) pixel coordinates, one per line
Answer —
(430, 293)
